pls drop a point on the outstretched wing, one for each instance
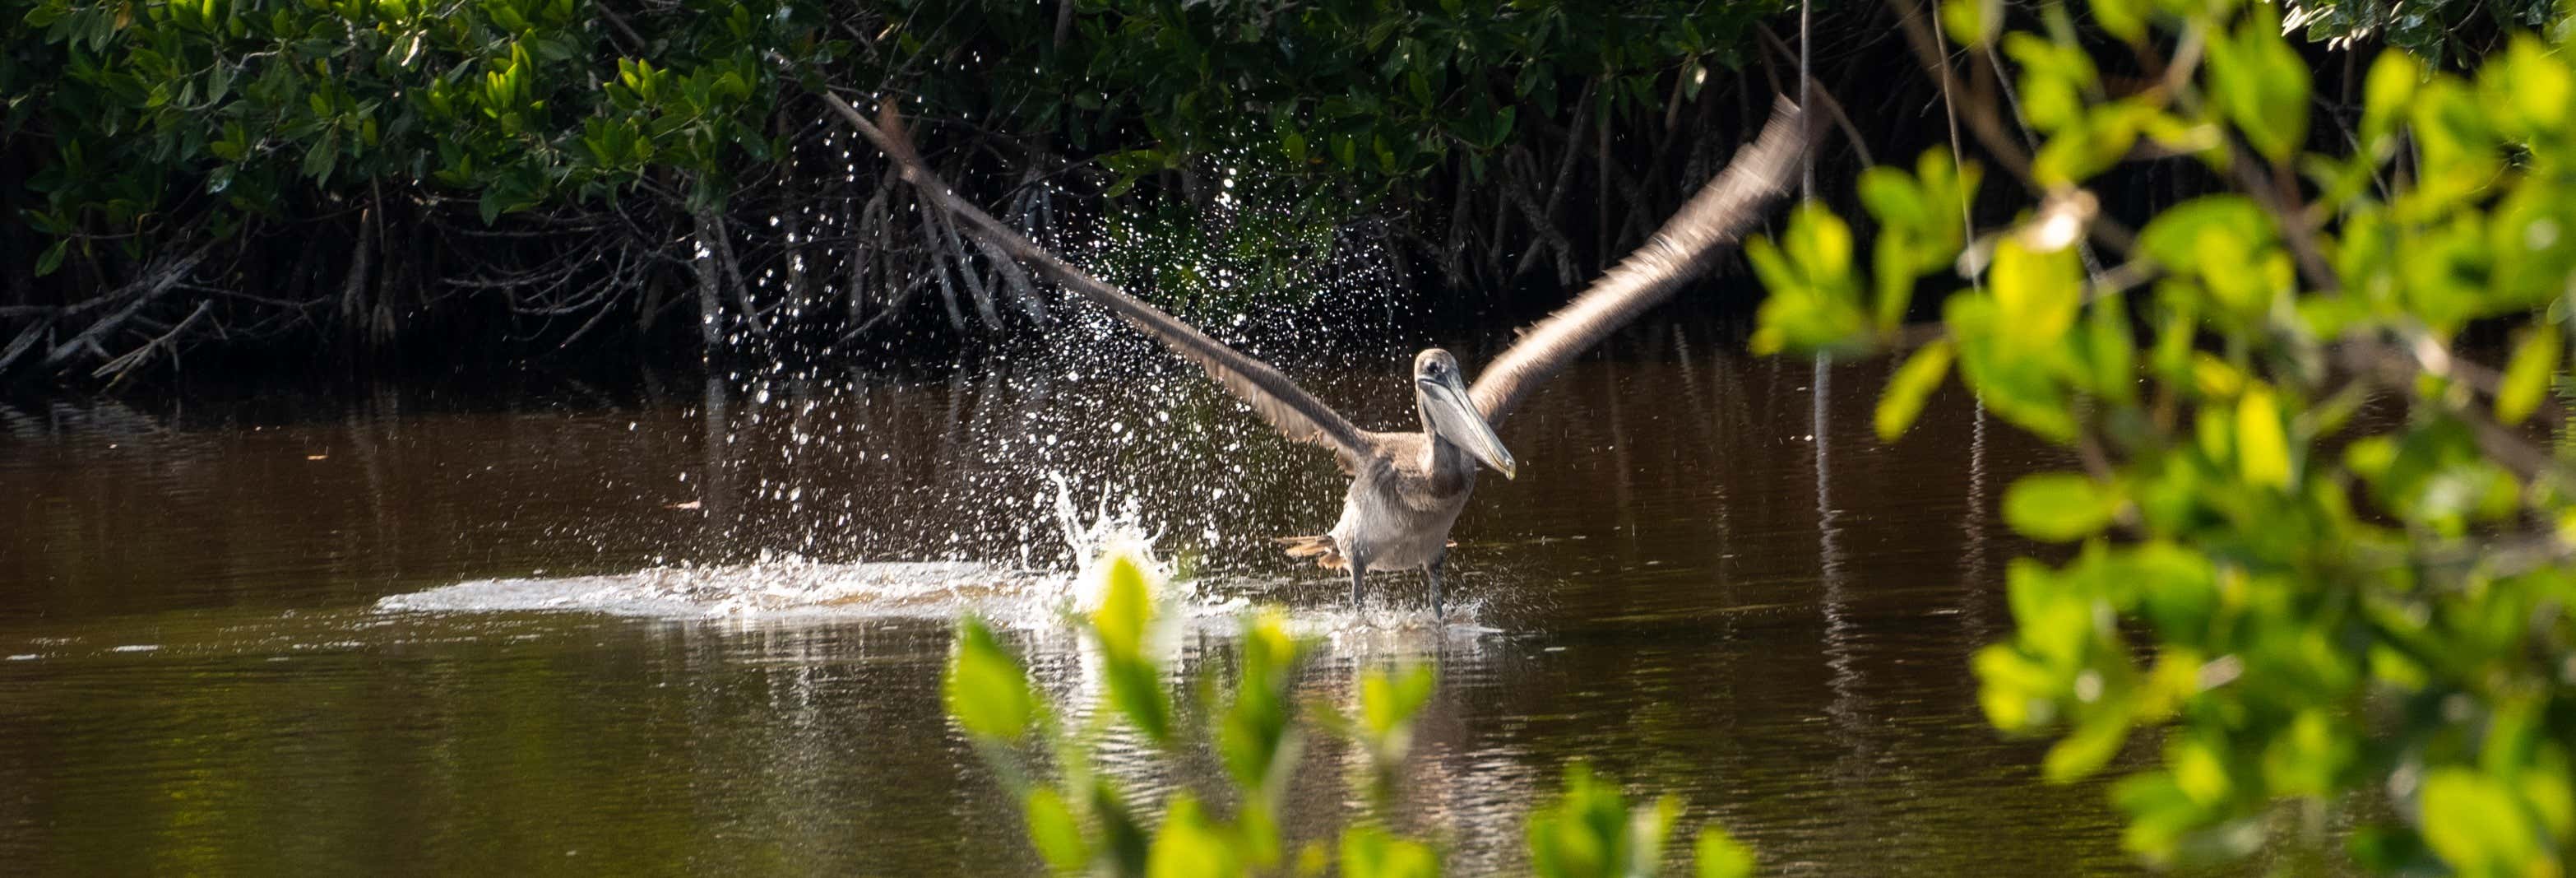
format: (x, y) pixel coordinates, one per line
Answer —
(1278, 400)
(1717, 216)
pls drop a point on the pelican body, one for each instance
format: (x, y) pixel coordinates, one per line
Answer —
(1407, 488)
(1407, 493)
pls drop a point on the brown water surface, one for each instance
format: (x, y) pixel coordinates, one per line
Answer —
(1703, 582)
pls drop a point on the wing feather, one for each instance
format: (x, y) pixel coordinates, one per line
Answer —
(1288, 407)
(1717, 216)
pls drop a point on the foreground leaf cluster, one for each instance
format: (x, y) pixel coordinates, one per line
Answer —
(1083, 818)
(2321, 560)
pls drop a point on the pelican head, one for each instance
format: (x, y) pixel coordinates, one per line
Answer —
(1450, 416)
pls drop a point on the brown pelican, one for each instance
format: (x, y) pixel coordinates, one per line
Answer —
(1407, 488)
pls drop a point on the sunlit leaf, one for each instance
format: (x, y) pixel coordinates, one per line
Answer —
(2474, 823)
(2088, 748)
(1255, 726)
(985, 689)
(2059, 507)
(1189, 845)
(1583, 833)
(1389, 699)
(1122, 837)
(2262, 83)
(2385, 93)
(1055, 833)
(1896, 200)
(2125, 19)
(2262, 449)
(1912, 383)
(1126, 605)
(1819, 244)
(1371, 852)
(2016, 693)
(1120, 623)
(2110, 350)
(1814, 300)
(2308, 757)
(2200, 768)
(1897, 267)
(2458, 148)
(2054, 80)
(2529, 89)
(1718, 855)
(2038, 293)
(1136, 691)
(2018, 385)
(2088, 144)
(2160, 814)
(2173, 237)
(1950, 185)
(2527, 375)
(1972, 22)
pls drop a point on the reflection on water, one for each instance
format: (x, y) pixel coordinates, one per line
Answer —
(1711, 579)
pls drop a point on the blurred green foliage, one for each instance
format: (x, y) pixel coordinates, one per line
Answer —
(2318, 554)
(1081, 820)
(139, 118)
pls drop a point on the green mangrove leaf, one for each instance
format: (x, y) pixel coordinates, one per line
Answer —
(1972, 22)
(2385, 94)
(1189, 844)
(1913, 382)
(2527, 375)
(1371, 852)
(985, 689)
(2474, 823)
(2125, 19)
(2262, 448)
(2059, 507)
(1055, 833)
(2089, 747)
(1718, 855)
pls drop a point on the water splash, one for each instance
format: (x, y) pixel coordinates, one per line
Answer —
(791, 587)
(783, 587)
(794, 586)
(1106, 535)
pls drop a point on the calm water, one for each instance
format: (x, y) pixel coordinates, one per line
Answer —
(1703, 582)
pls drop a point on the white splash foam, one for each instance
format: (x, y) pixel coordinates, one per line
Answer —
(1109, 534)
(791, 587)
(794, 587)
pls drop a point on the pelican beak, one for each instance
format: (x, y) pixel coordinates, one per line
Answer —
(1454, 418)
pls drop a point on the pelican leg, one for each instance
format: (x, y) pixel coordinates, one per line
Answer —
(1432, 572)
(1359, 577)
